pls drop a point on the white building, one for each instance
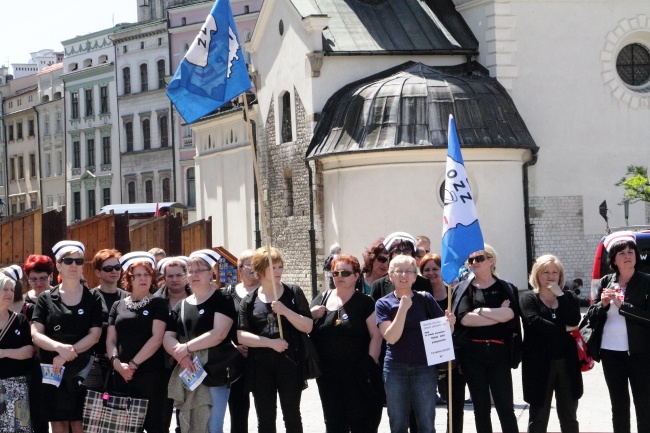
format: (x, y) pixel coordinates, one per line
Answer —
(92, 131)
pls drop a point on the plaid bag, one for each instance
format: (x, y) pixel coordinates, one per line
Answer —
(105, 413)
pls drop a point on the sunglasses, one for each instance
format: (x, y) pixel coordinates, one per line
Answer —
(70, 260)
(111, 268)
(381, 259)
(341, 273)
(477, 259)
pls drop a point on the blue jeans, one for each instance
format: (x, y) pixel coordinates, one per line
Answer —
(410, 386)
(219, 395)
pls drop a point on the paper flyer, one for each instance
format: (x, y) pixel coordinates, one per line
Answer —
(49, 377)
(438, 344)
(193, 379)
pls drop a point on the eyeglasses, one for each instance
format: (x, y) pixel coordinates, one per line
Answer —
(402, 251)
(197, 271)
(111, 268)
(39, 279)
(477, 259)
(381, 259)
(341, 273)
(403, 271)
(70, 260)
(244, 265)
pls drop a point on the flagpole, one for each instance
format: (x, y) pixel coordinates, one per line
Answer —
(450, 404)
(267, 229)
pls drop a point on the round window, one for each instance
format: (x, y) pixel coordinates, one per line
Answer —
(633, 65)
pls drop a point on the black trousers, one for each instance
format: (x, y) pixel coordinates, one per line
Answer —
(147, 384)
(239, 405)
(621, 369)
(560, 383)
(276, 375)
(486, 367)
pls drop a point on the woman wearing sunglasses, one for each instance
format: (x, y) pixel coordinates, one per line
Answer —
(489, 336)
(375, 264)
(66, 324)
(348, 342)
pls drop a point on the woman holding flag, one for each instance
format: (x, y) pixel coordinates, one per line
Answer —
(489, 340)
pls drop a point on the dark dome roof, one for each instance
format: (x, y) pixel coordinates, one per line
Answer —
(409, 106)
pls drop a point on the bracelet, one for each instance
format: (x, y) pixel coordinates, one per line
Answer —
(113, 358)
(187, 347)
(480, 311)
(135, 364)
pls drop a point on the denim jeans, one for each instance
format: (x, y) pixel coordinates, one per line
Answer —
(410, 386)
(219, 395)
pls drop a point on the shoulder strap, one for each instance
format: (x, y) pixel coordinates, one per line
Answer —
(12, 317)
(187, 335)
(326, 296)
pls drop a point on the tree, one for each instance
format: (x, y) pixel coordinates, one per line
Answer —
(636, 184)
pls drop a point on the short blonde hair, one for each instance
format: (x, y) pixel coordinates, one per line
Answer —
(402, 260)
(260, 259)
(540, 265)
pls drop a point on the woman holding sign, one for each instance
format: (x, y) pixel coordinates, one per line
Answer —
(136, 325)
(409, 380)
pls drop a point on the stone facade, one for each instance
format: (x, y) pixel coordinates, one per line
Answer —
(558, 229)
(286, 196)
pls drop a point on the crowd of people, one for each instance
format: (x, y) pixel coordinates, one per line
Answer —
(152, 317)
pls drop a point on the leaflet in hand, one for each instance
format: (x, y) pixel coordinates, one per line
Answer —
(49, 376)
(193, 379)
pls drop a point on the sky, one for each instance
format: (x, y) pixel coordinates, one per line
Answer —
(32, 25)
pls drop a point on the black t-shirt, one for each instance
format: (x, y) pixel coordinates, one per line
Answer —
(341, 336)
(108, 299)
(199, 319)
(17, 336)
(66, 323)
(490, 297)
(134, 329)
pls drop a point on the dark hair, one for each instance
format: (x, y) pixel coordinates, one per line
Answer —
(370, 253)
(103, 255)
(127, 277)
(427, 258)
(402, 245)
(349, 260)
(617, 248)
(38, 263)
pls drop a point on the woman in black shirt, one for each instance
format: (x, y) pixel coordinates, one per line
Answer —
(274, 356)
(15, 354)
(136, 326)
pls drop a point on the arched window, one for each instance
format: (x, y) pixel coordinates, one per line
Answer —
(166, 190)
(126, 76)
(191, 188)
(161, 74)
(144, 77)
(286, 132)
(146, 134)
(148, 191)
(128, 129)
(131, 191)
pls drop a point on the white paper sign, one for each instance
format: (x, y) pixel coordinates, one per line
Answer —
(437, 340)
(193, 379)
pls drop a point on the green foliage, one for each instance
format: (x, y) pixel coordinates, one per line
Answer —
(636, 184)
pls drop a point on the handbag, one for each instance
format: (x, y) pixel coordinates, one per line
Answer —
(586, 361)
(311, 360)
(104, 412)
(592, 334)
(225, 364)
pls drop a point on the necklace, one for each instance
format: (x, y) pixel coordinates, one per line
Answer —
(136, 305)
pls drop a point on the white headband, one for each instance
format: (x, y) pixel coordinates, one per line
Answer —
(136, 257)
(395, 238)
(14, 272)
(162, 264)
(615, 237)
(65, 247)
(211, 257)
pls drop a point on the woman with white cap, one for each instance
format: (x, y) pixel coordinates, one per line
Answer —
(201, 321)
(19, 305)
(67, 322)
(15, 360)
(136, 326)
(621, 316)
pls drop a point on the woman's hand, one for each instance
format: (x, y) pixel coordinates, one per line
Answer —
(505, 304)
(278, 344)
(180, 351)
(57, 363)
(571, 328)
(187, 363)
(617, 301)
(67, 352)
(607, 296)
(452, 319)
(405, 302)
(279, 308)
(318, 311)
(124, 370)
(555, 288)
(242, 349)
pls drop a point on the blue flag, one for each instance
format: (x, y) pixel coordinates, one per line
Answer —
(461, 233)
(213, 71)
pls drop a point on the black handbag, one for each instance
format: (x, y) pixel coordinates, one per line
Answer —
(311, 360)
(592, 333)
(225, 364)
